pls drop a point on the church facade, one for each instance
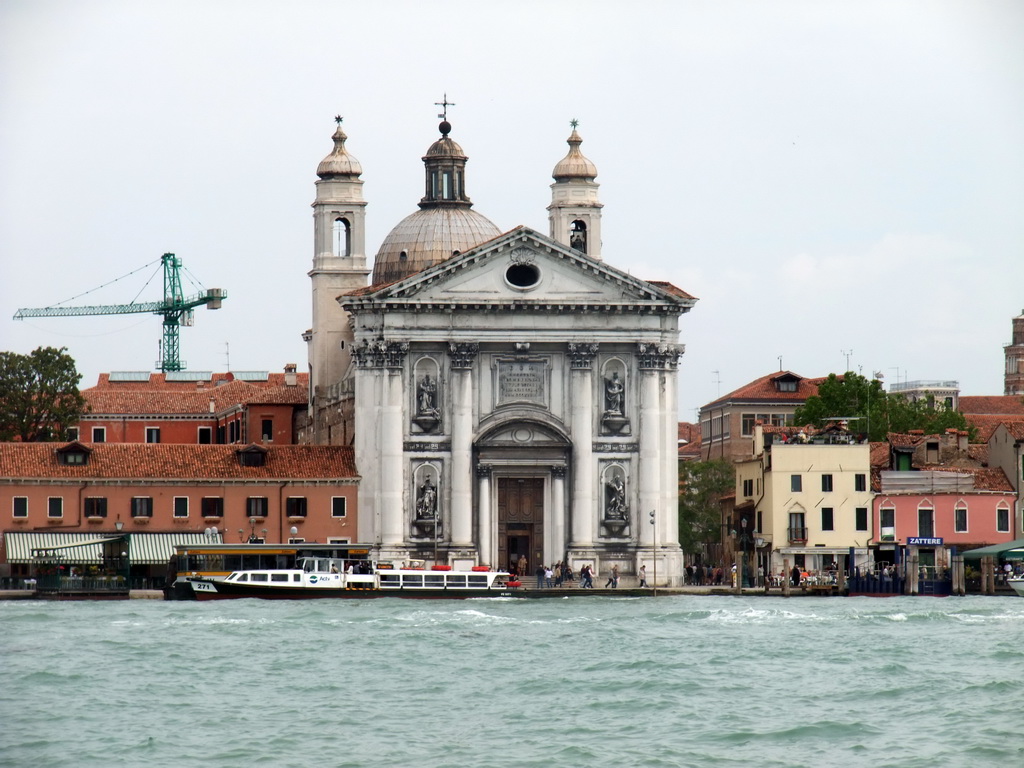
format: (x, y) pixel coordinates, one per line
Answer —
(511, 397)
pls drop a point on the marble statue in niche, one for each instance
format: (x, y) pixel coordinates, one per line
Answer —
(426, 520)
(614, 420)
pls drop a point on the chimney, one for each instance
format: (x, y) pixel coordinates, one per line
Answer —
(290, 377)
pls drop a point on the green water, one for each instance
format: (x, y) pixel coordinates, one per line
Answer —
(676, 681)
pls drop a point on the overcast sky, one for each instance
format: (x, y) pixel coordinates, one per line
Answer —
(834, 181)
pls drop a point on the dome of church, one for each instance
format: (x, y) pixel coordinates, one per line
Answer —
(339, 162)
(444, 225)
(574, 165)
(426, 237)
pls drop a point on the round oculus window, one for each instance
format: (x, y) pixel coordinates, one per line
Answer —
(523, 275)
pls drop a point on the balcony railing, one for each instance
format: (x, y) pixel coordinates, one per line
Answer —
(797, 535)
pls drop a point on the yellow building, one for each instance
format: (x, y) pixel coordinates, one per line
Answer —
(805, 498)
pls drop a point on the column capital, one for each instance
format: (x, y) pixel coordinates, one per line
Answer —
(659, 357)
(380, 353)
(581, 356)
(558, 471)
(483, 470)
(463, 353)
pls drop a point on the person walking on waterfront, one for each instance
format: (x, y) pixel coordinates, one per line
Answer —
(613, 579)
(795, 576)
(548, 574)
(541, 570)
(643, 576)
(586, 577)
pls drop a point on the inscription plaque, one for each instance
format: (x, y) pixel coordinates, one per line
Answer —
(522, 381)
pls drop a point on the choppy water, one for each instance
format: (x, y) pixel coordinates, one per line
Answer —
(677, 681)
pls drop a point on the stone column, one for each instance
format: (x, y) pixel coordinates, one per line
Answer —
(378, 440)
(581, 396)
(485, 546)
(391, 491)
(657, 415)
(463, 356)
(557, 545)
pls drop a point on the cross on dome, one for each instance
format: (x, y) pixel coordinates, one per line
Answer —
(444, 105)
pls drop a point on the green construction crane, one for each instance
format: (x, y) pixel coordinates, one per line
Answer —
(176, 309)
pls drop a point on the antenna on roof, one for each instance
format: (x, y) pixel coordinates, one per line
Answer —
(780, 362)
(718, 382)
(227, 355)
(846, 353)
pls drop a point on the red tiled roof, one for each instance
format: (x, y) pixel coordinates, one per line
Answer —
(880, 455)
(978, 453)
(671, 289)
(986, 424)
(117, 461)
(1015, 428)
(903, 440)
(1006, 405)
(112, 399)
(764, 390)
(985, 478)
(158, 382)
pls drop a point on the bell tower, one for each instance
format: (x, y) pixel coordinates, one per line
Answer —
(575, 211)
(339, 266)
(1013, 379)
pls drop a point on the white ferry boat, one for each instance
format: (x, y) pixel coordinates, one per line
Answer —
(320, 577)
(1016, 584)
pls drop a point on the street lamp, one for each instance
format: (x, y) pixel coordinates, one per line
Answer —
(654, 549)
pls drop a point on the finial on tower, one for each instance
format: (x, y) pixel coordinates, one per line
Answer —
(574, 123)
(445, 127)
(338, 119)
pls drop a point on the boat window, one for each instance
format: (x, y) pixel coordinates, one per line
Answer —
(433, 580)
(259, 577)
(412, 580)
(477, 581)
(390, 580)
(296, 577)
(279, 577)
(456, 581)
(244, 577)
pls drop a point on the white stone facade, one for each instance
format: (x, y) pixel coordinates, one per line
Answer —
(524, 380)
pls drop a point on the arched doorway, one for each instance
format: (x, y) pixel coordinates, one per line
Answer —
(521, 522)
(522, 510)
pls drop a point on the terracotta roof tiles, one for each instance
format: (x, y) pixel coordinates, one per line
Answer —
(765, 390)
(112, 399)
(126, 461)
(1006, 405)
(985, 478)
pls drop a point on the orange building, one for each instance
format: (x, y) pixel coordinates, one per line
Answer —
(249, 493)
(194, 407)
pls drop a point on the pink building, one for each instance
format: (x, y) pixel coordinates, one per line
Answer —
(936, 509)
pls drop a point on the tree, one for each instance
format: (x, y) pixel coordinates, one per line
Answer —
(872, 410)
(39, 397)
(702, 484)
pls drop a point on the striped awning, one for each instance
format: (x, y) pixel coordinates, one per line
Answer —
(157, 548)
(87, 548)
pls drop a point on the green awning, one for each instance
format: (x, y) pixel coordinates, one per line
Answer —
(1009, 549)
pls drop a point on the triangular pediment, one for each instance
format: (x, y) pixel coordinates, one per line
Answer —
(523, 267)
